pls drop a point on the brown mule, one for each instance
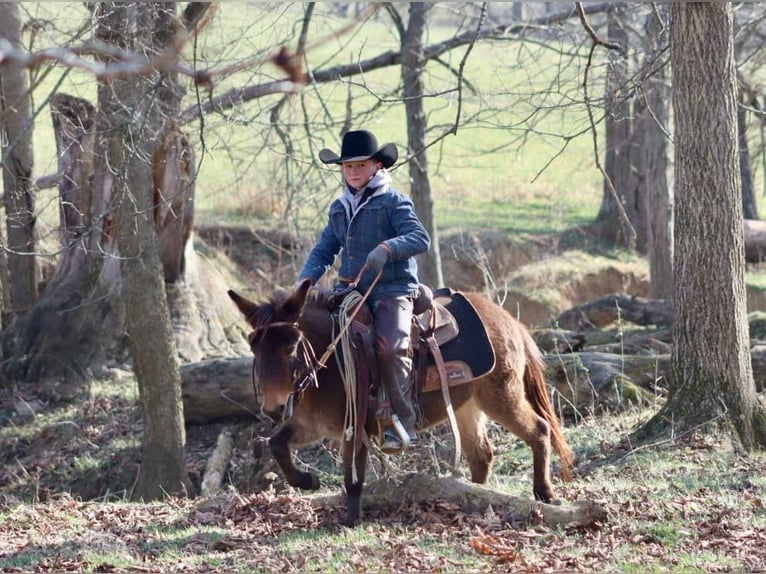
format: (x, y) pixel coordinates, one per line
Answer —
(290, 327)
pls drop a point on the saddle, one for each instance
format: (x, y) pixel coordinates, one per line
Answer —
(449, 333)
(450, 346)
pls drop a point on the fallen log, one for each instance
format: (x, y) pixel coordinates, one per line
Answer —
(592, 382)
(608, 309)
(755, 240)
(391, 493)
(758, 361)
(561, 341)
(551, 340)
(215, 469)
(218, 389)
(584, 383)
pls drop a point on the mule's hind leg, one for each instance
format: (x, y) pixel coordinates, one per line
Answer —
(279, 444)
(477, 449)
(517, 416)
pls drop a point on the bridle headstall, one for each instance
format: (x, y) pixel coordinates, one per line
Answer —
(305, 371)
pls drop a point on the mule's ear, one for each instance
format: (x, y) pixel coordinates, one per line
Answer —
(292, 307)
(245, 306)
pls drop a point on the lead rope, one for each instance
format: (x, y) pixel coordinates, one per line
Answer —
(348, 372)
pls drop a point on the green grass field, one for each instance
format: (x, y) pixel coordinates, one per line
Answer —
(515, 164)
(522, 159)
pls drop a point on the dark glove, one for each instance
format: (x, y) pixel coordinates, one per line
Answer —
(377, 258)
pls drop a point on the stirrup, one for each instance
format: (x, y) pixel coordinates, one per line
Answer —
(391, 442)
(395, 440)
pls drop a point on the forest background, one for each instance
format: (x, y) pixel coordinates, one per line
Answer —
(517, 184)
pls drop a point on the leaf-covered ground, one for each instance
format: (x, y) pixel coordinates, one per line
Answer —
(690, 505)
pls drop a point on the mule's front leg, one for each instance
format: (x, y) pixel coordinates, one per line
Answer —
(279, 444)
(354, 468)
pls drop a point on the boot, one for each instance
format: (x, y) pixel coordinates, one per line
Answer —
(395, 377)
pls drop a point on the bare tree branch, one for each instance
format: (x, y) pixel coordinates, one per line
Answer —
(237, 96)
(597, 41)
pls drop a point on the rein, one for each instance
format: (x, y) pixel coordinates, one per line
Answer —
(334, 343)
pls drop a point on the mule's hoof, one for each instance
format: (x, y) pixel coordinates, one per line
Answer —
(545, 496)
(309, 481)
(352, 520)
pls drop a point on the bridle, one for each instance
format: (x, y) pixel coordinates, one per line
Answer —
(304, 371)
(304, 368)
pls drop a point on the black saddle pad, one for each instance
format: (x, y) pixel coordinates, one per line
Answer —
(472, 344)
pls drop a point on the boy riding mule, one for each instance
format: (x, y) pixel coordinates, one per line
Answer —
(292, 329)
(377, 234)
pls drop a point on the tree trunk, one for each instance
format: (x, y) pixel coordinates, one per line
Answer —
(137, 119)
(657, 193)
(712, 378)
(77, 325)
(16, 135)
(749, 205)
(173, 176)
(73, 124)
(413, 64)
(616, 199)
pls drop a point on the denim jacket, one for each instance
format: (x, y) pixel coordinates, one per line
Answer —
(387, 216)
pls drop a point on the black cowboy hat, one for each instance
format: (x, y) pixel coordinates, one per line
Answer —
(359, 146)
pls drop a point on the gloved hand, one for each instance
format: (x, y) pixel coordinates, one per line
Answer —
(377, 258)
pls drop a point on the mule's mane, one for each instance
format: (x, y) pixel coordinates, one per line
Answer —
(318, 298)
(265, 313)
(317, 301)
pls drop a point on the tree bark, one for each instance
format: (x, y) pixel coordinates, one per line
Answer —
(137, 122)
(16, 134)
(413, 65)
(712, 379)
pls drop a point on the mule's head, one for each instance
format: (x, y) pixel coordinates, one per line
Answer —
(274, 343)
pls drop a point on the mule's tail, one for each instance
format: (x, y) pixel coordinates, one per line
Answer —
(537, 393)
